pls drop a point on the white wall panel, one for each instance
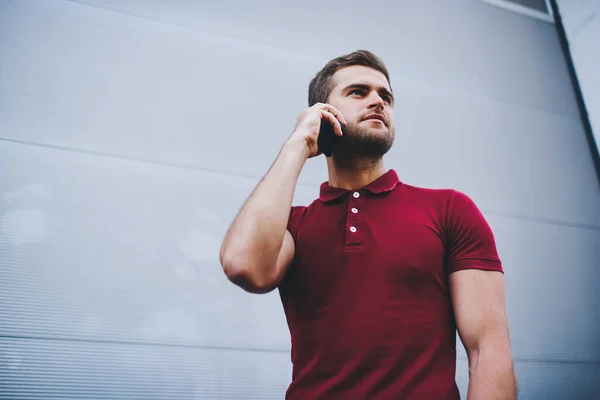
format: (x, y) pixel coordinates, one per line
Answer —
(151, 91)
(144, 89)
(429, 41)
(581, 22)
(547, 381)
(94, 247)
(576, 14)
(54, 369)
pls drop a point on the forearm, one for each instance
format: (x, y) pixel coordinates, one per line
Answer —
(254, 239)
(491, 376)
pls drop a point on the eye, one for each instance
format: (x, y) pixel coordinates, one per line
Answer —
(357, 91)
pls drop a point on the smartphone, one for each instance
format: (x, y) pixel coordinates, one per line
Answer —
(327, 138)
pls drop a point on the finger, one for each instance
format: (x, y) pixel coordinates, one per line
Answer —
(333, 121)
(336, 112)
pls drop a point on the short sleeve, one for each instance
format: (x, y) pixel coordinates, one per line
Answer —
(293, 226)
(295, 220)
(470, 240)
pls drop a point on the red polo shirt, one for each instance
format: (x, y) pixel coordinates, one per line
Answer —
(367, 299)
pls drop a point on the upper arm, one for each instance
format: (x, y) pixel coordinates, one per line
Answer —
(273, 279)
(476, 277)
(479, 304)
(265, 278)
(276, 273)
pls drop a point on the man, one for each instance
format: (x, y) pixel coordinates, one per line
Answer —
(375, 276)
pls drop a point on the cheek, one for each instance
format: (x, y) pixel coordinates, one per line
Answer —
(390, 117)
(352, 116)
(348, 112)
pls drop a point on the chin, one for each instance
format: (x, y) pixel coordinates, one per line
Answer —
(378, 131)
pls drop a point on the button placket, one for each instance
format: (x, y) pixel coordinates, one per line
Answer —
(353, 236)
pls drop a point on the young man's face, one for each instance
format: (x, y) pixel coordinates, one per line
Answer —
(364, 97)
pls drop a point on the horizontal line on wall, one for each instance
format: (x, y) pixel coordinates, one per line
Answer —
(474, 97)
(543, 220)
(150, 344)
(128, 158)
(296, 52)
(189, 27)
(533, 360)
(183, 166)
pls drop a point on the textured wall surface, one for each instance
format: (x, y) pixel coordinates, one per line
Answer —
(581, 20)
(131, 132)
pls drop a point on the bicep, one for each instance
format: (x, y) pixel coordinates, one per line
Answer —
(479, 304)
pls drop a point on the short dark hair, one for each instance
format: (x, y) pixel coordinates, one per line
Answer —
(322, 84)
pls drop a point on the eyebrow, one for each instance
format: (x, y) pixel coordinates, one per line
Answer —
(381, 90)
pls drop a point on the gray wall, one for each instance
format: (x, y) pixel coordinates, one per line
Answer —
(131, 132)
(581, 20)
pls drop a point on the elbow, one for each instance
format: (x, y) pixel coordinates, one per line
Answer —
(493, 355)
(241, 272)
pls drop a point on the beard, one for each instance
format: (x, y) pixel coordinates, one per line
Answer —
(362, 147)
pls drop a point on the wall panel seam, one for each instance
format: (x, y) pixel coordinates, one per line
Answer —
(181, 166)
(459, 358)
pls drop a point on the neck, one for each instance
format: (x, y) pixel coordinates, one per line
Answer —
(354, 177)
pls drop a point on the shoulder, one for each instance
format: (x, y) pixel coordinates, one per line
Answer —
(448, 196)
(436, 198)
(425, 192)
(451, 205)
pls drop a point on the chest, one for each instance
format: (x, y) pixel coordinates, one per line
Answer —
(377, 244)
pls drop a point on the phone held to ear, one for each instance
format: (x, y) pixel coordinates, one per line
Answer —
(327, 138)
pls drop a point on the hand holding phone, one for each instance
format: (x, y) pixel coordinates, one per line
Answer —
(327, 138)
(319, 127)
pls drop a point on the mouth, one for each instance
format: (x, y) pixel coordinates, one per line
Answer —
(376, 117)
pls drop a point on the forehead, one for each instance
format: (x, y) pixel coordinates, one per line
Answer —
(359, 74)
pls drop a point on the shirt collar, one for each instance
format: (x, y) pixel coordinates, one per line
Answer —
(384, 183)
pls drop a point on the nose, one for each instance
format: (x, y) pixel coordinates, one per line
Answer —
(376, 100)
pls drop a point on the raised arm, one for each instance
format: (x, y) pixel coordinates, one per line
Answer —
(257, 248)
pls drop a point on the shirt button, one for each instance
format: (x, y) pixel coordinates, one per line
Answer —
(354, 210)
(352, 229)
(356, 195)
